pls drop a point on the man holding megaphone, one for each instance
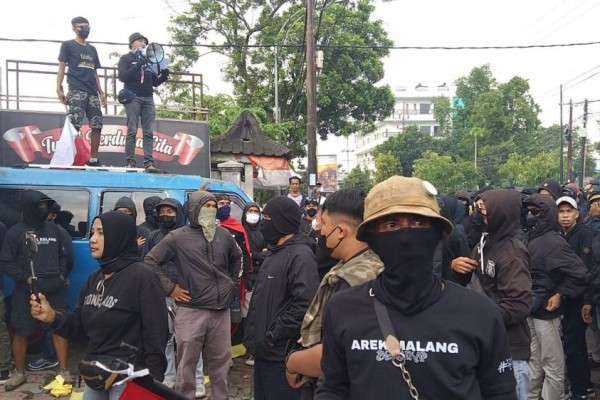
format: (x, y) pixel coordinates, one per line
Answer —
(135, 70)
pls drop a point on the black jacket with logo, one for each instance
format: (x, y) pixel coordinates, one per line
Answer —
(456, 348)
(129, 313)
(555, 268)
(286, 283)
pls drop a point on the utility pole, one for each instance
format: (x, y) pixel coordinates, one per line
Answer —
(562, 140)
(311, 93)
(570, 144)
(583, 142)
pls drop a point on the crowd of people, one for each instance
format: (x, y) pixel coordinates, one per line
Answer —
(399, 293)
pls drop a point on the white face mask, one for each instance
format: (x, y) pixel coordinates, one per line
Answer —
(252, 218)
(315, 225)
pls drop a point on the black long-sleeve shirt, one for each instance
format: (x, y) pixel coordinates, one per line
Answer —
(130, 73)
(130, 310)
(455, 349)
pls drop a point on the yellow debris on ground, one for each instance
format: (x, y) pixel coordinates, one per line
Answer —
(58, 387)
(238, 351)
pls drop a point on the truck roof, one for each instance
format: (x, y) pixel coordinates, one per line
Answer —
(107, 177)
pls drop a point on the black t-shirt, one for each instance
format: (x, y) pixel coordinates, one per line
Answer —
(82, 60)
(456, 349)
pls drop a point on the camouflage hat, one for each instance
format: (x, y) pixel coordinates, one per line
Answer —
(401, 195)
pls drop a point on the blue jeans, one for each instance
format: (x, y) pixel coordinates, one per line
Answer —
(521, 371)
(140, 108)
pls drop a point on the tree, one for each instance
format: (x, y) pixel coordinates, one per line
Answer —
(524, 170)
(447, 175)
(349, 100)
(357, 179)
(442, 112)
(408, 147)
(386, 165)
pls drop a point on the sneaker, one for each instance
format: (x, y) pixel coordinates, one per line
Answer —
(200, 392)
(66, 375)
(93, 163)
(16, 380)
(250, 361)
(149, 166)
(4, 375)
(41, 365)
(131, 164)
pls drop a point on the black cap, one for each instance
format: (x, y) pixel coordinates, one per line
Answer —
(136, 36)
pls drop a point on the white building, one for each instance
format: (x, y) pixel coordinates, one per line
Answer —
(414, 106)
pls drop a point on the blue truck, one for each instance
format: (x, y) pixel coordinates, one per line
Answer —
(87, 192)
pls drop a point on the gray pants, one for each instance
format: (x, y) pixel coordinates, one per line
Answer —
(592, 338)
(547, 362)
(140, 108)
(4, 338)
(206, 332)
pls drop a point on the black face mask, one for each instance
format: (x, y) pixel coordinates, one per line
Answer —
(322, 243)
(407, 282)
(531, 220)
(84, 32)
(270, 233)
(166, 221)
(311, 212)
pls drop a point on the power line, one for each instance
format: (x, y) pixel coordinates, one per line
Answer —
(324, 46)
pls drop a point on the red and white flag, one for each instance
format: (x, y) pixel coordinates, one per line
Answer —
(68, 151)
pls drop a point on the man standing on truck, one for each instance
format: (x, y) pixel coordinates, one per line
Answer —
(85, 94)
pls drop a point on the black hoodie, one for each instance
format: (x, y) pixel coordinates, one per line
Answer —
(151, 222)
(505, 276)
(258, 246)
(456, 245)
(286, 283)
(124, 312)
(51, 259)
(555, 268)
(126, 202)
(157, 235)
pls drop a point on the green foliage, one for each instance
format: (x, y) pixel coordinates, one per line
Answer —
(386, 165)
(447, 175)
(442, 112)
(357, 179)
(408, 147)
(524, 170)
(348, 98)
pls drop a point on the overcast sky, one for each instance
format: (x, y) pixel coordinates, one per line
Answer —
(422, 22)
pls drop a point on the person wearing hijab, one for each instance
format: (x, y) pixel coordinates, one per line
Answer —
(208, 263)
(121, 309)
(50, 267)
(408, 334)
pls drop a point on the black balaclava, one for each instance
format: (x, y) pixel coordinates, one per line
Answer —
(150, 211)
(168, 224)
(120, 244)
(407, 283)
(36, 207)
(126, 202)
(285, 219)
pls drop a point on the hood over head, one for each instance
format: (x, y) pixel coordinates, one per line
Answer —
(547, 219)
(246, 208)
(174, 203)
(150, 207)
(285, 215)
(503, 209)
(36, 207)
(196, 201)
(451, 209)
(120, 241)
(126, 202)
(552, 186)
